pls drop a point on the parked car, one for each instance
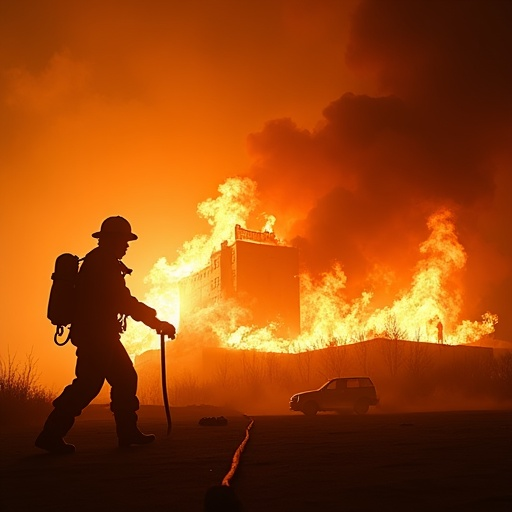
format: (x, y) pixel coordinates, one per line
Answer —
(355, 393)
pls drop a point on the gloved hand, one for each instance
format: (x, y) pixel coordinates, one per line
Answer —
(167, 329)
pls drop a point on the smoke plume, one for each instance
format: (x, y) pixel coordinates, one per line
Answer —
(358, 188)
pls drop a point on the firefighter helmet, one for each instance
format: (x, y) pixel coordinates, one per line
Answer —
(116, 226)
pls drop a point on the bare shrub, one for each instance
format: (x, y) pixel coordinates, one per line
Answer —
(417, 334)
(418, 359)
(392, 351)
(501, 376)
(20, 394)
(361, 350)
(393, 330)
(252, 368)
(271, 368)
(304, 362)
(360, 335)
(150, 386)
(186, 390)
(223, 375)
(333, 361)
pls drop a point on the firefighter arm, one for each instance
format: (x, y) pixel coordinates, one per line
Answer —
(143, 313)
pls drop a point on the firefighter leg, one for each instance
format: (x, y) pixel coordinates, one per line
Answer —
(75, 397)
(55, 428)
(127, 431)
(124, 402)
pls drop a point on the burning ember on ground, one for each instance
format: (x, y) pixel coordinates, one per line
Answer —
(428, 310)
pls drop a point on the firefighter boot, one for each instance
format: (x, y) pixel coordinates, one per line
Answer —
(127, 431)
(55, 428)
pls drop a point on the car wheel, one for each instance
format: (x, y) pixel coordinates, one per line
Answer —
(361, 406)
(310, 409)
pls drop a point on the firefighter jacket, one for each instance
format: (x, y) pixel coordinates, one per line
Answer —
(102, 300)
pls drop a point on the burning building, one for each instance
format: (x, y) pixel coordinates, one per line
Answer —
(259, 273)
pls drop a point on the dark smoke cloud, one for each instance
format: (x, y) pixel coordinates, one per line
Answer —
(361, 185)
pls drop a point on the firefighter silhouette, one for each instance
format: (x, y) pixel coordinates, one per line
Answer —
(440, 338)
(102, 303)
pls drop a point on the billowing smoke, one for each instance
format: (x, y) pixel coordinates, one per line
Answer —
(437, 133)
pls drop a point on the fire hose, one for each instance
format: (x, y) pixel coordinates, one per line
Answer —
(164, 383)
(236, 457)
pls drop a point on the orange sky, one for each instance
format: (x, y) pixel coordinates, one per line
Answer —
(143, 108)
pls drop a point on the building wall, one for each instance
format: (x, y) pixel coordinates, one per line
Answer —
(266, 281)
(261, 277)
(202, 288)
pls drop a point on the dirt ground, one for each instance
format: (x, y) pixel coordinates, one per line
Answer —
(445, 461)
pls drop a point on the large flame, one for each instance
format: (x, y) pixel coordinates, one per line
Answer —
(430, 309)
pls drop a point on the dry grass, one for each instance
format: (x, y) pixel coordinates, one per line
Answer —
(21, 397)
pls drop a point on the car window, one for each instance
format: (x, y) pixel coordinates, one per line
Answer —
(331, 385)
(352, 383)
(365, 383)
(341, 384)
